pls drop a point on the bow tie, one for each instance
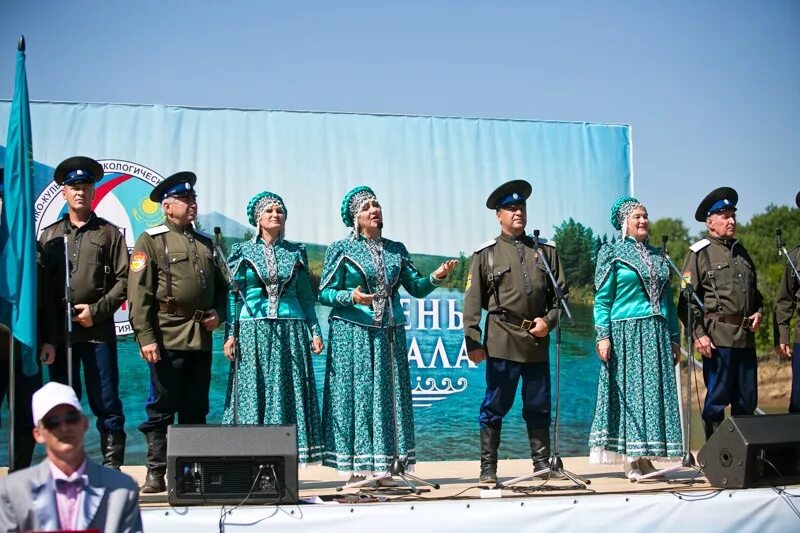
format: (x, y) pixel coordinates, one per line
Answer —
(63, 485)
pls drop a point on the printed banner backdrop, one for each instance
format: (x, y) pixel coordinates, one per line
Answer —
(432, 176)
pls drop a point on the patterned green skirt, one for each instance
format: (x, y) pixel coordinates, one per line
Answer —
(358, 426)
(276, 382)
(637, 402)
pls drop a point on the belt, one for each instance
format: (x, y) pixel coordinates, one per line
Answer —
(738, 320)
(523, 323)
(196, 315)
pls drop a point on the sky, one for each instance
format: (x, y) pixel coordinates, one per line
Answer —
(710, 89)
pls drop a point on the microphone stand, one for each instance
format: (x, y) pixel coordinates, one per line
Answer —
(238, 296)
(68, 302)
(398, 467)
(556, 466)
(689, 294)
(782, 251)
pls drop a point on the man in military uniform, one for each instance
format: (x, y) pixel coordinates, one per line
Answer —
(24, 386)
(177, 298)
(724, 278)
(785, 306)
(98, 271)
(508, 279)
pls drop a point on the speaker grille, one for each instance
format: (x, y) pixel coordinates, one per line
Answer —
(215, 477)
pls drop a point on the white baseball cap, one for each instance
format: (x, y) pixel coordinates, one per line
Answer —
(52, 395)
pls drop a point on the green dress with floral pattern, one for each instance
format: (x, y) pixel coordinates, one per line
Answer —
(637, 402)
(357, 412)
(276, 377)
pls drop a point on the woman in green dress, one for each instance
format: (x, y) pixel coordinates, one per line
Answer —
(636, 418)
(361, 279)
(278, 331)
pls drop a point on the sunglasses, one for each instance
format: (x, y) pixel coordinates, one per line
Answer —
(53, 421)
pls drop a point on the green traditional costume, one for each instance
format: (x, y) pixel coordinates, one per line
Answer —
(637, 404)
(276, 376)
(357, 415)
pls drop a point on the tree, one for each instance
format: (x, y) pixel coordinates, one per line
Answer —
(577, 251)
(678, 233)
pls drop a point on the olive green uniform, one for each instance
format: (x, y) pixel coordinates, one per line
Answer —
(172, 282)
(785, 306)
(517, 288)
(98, 277)
(724, 278)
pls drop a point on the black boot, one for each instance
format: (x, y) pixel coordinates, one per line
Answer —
(490, 442)
(112, 445)
(156, 462)
(539, 440)
(710, 427)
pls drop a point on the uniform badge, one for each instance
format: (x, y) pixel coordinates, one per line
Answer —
(686, 279)
(138, 261)
(469, 282)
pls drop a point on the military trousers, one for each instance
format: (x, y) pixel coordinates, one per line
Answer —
(502, 378)
(794, 401)
(100, 376)
(730, 378)
(24, 387)
(179, 383)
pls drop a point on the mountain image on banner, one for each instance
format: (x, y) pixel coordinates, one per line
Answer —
(230, 228)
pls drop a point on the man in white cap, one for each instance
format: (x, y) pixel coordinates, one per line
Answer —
(66, 491)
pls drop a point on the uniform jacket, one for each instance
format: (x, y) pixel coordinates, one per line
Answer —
(349, 264)
(197, 285)
(284, 265)
(626, 288)
(98, 277)
(502, 339)
(108, 502)
(724, 277)
(786, 303)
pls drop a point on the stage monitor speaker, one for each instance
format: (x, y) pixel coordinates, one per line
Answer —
(753, 451)
(230, 464)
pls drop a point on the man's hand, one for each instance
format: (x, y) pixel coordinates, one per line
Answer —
(603, 349)
(477, 355)
(48, 354)
(704, 345)
(210, 320)
(784, 350)
(83, 316)
(150, 353)
(756, 321)
(540, 328)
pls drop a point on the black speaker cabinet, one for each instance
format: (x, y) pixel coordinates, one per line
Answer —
(230, 464)
(753, 451)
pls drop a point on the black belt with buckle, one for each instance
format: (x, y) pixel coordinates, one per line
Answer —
(523, 323)
(737, 320)
(196, 315)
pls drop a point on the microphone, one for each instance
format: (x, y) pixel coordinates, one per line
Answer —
(217, 236)
(664, 239)
(779, 240)
(536, 242)
(380, 225)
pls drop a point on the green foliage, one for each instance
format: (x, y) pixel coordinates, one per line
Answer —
(577, 250)
(678, 244)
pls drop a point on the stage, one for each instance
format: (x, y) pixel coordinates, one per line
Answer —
(683, 500)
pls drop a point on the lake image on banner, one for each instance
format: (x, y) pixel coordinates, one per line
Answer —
(446, 424)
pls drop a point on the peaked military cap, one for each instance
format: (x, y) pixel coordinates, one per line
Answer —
(179, 184)
(78, 169)
(716, 201)
(509, 193)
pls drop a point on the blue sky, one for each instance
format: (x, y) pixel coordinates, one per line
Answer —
(710, 88)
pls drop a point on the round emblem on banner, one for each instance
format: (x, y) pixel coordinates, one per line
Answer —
(122, 198)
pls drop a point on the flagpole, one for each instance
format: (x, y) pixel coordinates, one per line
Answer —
(11, 395)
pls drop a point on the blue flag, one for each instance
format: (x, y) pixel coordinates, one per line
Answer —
(18, 297)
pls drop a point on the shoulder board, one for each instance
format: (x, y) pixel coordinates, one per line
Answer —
(490, 242)
(547, 242)
(158, 230)
(699, 245)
